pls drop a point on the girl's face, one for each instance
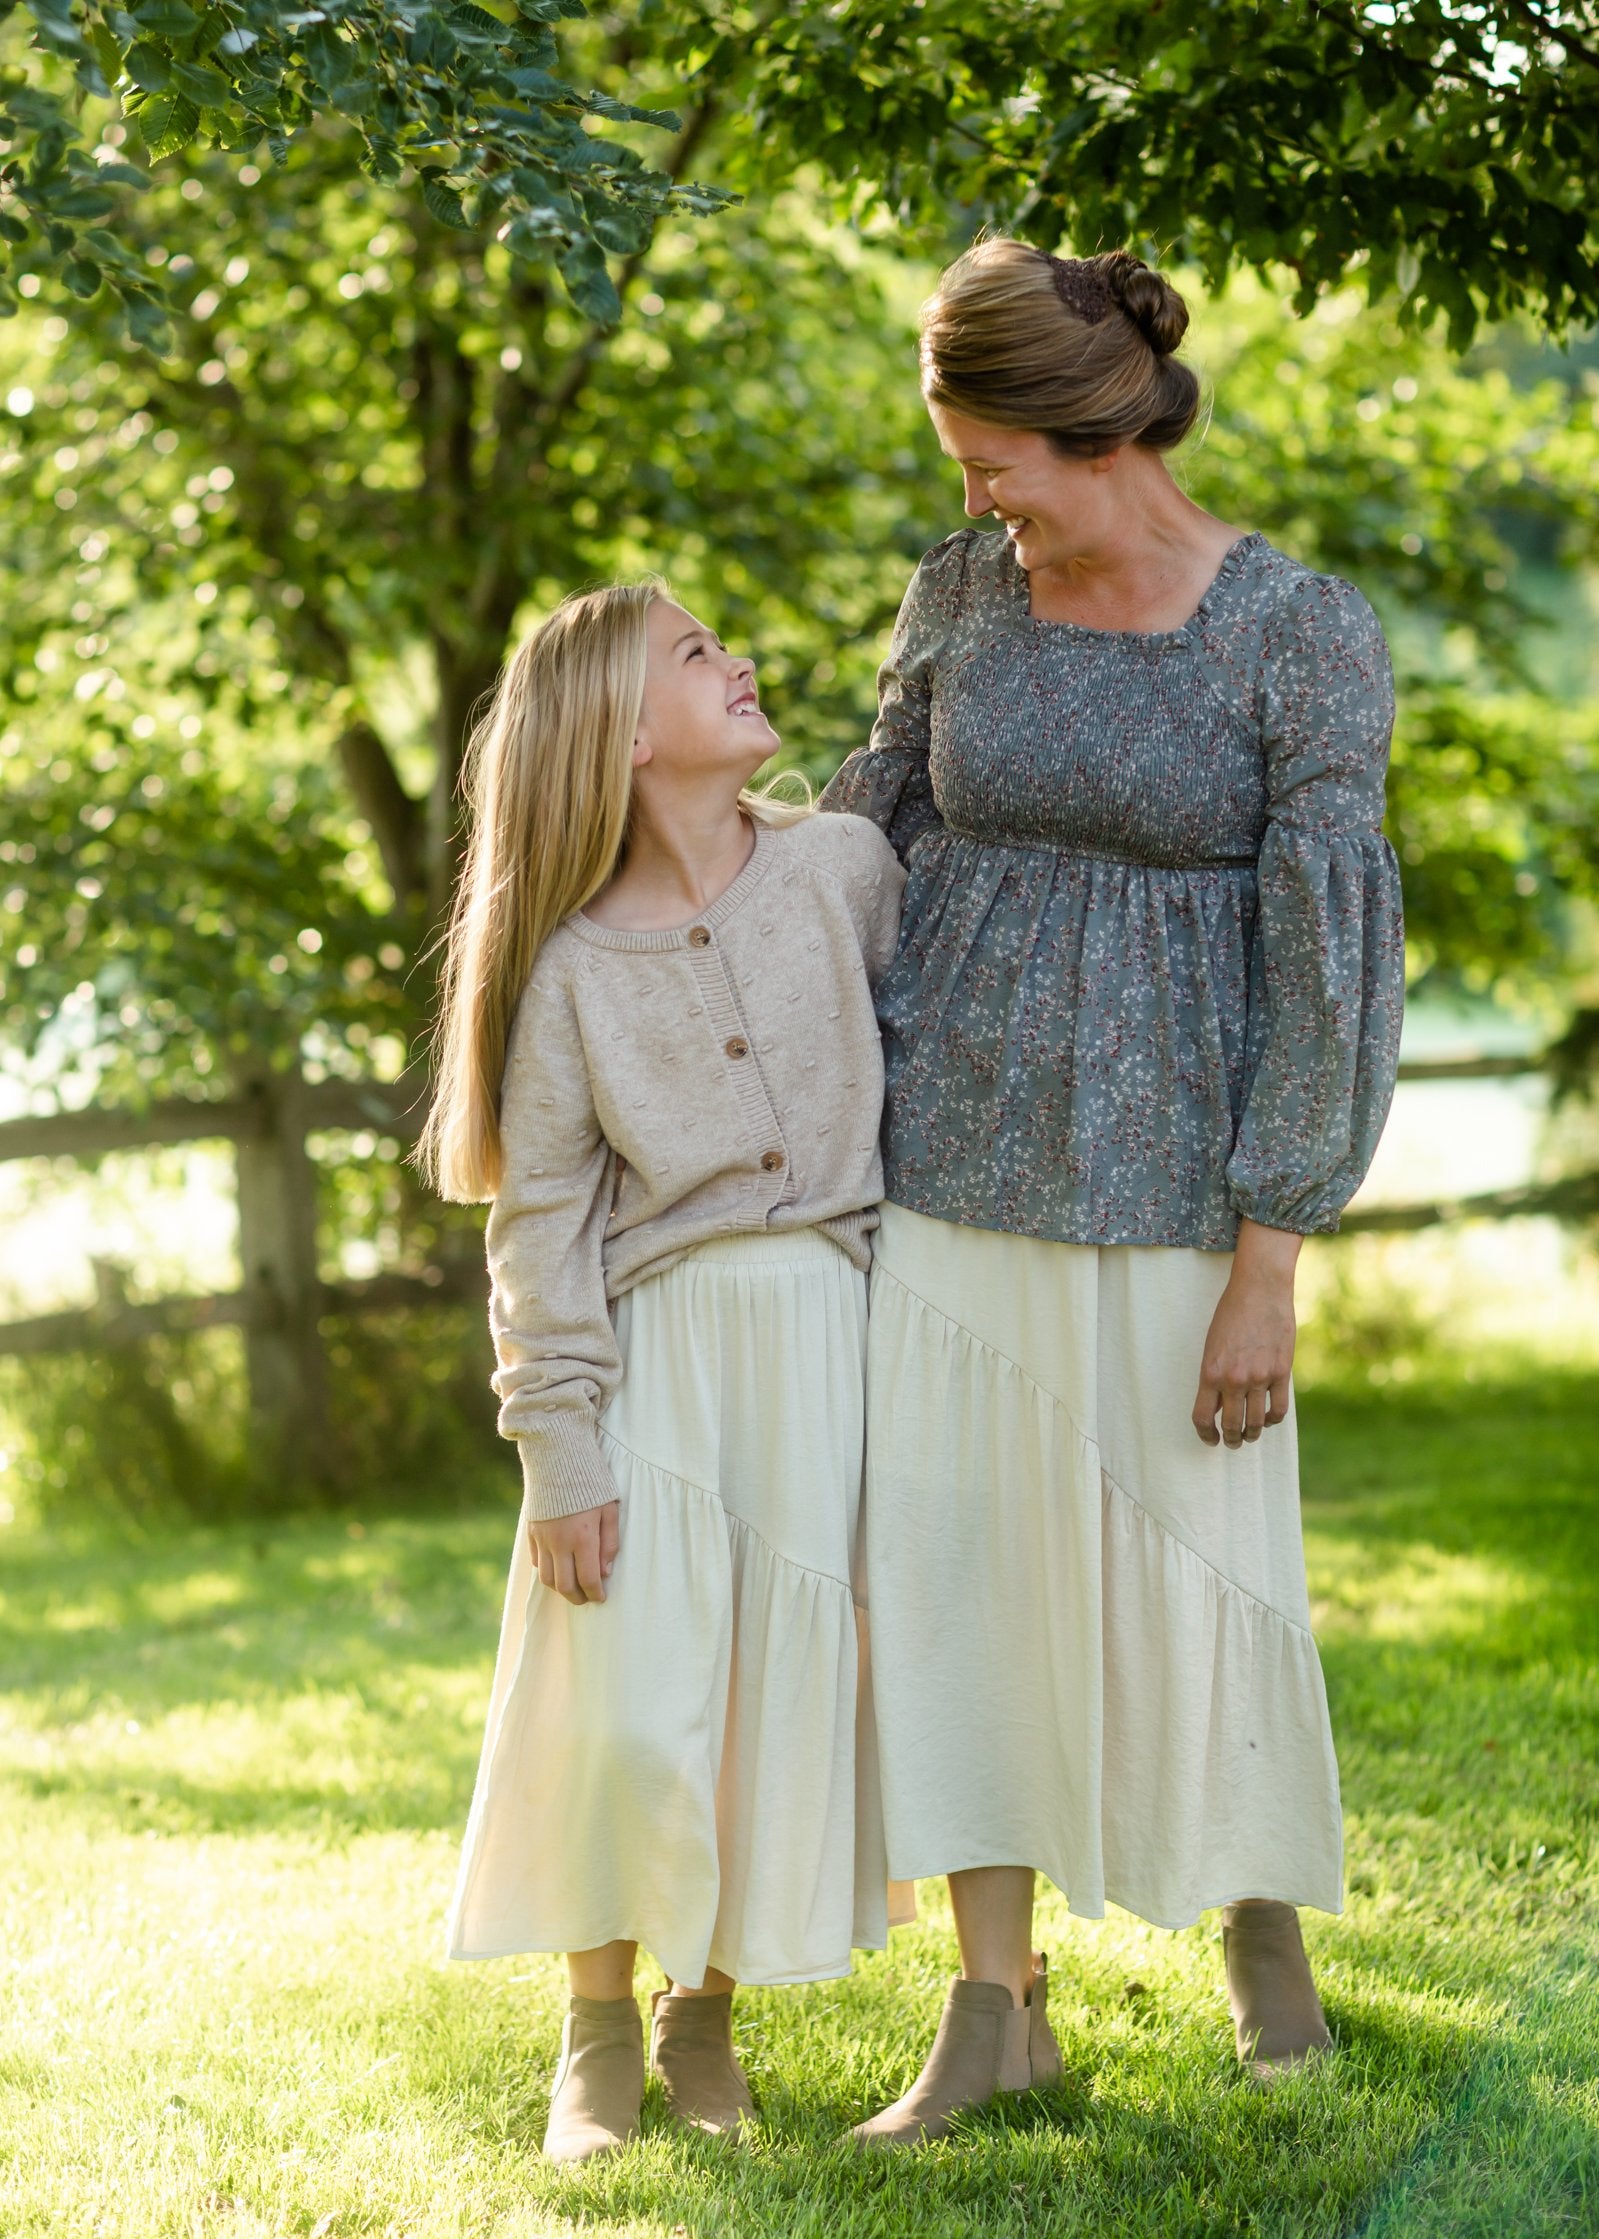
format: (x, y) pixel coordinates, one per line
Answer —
(1054, 509)
(700, 713)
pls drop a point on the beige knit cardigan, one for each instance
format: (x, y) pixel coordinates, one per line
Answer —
(665, 1088)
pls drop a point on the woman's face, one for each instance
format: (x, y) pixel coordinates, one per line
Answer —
(1054, 509)
(700, 713)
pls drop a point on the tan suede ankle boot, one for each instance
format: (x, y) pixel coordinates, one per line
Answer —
(1277, 2017)
(691, 2050)
(985, 2044)
(599, 2083)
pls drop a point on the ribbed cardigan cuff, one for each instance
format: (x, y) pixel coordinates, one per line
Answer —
(563, 1469)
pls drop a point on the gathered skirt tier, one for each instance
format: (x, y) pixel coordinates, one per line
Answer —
(1091, 1632)
(691, 1764)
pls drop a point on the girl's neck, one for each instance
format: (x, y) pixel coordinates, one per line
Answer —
(681, 858)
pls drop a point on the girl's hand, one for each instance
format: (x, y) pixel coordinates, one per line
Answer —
(1249, 1349)
(574, 1554)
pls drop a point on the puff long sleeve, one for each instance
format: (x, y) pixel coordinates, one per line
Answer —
(554, 1343)
(1329, 964)
(889, 780)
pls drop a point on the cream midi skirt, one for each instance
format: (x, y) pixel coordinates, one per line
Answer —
(691, 1763)
(1091, 1633)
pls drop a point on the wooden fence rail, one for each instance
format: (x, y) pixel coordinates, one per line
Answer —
(282, 1300)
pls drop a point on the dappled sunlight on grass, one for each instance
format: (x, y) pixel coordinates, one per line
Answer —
(235, 1767)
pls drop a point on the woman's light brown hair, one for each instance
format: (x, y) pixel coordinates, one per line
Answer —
(1075, 348)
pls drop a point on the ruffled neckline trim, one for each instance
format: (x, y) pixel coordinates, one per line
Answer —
(1234, 561)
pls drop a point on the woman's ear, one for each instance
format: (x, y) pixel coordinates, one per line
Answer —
(642, 751)
(1104, 461)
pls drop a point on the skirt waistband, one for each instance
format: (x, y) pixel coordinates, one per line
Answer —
(763, 1247)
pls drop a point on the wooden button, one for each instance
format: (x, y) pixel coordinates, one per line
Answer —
(771, 1162)
(699, 936)
(737, 1047)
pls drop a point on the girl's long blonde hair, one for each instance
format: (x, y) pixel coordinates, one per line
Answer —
(548, 781)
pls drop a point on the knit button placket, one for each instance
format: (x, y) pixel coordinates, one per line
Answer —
(771, 1162)
(737, 1047)
(699, 936)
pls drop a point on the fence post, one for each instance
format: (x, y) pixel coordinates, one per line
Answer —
(287, 1365)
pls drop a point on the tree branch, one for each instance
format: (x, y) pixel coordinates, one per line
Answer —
(561, 399)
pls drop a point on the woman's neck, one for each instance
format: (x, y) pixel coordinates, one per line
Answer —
(682, 856)
(1150, 574)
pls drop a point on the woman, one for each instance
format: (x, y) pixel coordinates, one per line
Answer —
(1141, 1036)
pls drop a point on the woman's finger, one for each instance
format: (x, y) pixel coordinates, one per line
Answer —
(566, 1584)
(1204, 1416)
(546, 1555)
(1232, 1415)
(1255, 1412)
(1277, 1412)
(610, 1535)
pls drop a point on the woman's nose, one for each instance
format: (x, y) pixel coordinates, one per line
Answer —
(978, 501)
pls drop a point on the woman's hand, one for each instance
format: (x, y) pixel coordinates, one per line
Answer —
(574, 1554)
(1249, 1349)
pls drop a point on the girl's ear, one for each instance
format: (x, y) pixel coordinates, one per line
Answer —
(642, 751)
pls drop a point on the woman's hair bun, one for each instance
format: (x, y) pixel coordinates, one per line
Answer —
(1153, 304)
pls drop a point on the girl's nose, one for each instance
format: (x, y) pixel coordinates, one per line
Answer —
(741, 666)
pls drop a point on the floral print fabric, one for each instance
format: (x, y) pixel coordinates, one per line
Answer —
(1151, 970)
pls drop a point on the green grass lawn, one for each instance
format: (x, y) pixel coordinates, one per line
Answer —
(233, 1769)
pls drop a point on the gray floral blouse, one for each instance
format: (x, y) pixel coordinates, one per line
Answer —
(1151, 969)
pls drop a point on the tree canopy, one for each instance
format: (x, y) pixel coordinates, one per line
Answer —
(1444, 149)
(464, 101)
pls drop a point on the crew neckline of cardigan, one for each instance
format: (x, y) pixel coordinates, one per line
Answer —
(1241, 550)
(713, 915)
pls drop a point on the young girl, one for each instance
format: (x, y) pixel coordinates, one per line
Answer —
(658, 1056)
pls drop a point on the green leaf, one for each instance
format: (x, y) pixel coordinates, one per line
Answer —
(539, 85)
(205, 87)
(473, 22)
(12, 229)
(108, 52)
(623, 231)
(149, 67)
(82, 277)
(166, 19)
(147, 322)
(166, 123)
(381, 161)
(444, 202)
(590, 285)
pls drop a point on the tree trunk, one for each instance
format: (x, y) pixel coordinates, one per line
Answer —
(465, 678)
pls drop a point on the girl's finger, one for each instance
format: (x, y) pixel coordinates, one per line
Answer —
(546, 1564)
(610, 1535)
(590, 1577)
(566, 1583)
(1255, 1412)
(1277, 1412)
